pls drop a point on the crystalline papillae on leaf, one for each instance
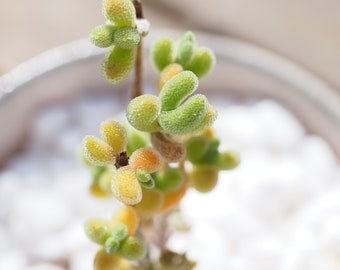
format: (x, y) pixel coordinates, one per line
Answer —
(177, 89)
(118, 63)
(171, 149)
(162, 51)
(119, 12)
(146, 158)
(167, 73)
(185, 48)
(142, 112)
(125, 186)
(126, 37)
(98, 152)
(186, 117)
(208, 119)
(102, 35)
(114, 134)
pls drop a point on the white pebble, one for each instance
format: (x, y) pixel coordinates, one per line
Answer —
(13, 259)
(37, 212)
(62, 243)
(236, 127)
(5, 242)
(262, 252)
(83, 259)
(280, 130)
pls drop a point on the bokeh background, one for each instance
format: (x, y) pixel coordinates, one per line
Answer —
(305, 31)
(279, 210)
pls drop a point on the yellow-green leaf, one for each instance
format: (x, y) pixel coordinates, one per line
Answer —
(98, 152)
(125, 186)
(114, 134)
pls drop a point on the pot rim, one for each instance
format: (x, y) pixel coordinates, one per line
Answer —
(313, 89)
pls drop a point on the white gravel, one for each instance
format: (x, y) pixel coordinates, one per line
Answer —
(280, 210)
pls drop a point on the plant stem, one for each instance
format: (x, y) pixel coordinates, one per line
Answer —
(137, 87)
(162, 231)
(138, 7)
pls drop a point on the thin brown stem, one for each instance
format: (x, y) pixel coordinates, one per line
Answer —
(162, 231)
(137, 87)
(138, 7)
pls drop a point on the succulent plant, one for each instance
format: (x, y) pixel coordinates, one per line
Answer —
(166, 146)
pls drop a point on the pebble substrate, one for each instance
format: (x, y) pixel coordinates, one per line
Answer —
(280, 210)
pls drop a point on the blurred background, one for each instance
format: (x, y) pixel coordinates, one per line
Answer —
(305, 31)
(280, 207)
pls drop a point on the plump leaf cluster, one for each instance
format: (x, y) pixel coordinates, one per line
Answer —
(126, 175)
(202, 151)
(175, 110)
(117, 238)
(137, 179)
(121, 35)
(165, 51)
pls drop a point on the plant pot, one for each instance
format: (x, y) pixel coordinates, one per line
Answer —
(244, 75)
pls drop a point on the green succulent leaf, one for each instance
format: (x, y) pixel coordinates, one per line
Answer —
(228, 160)
(208, 120)
(149, 184)
(143, 175)
(102, 35)
(212, 154)
(132, 248)
(97, 172)
(142, 112)
(104, 180)
(120, 231)
(177, 89)
(204, 178)
(186, 117)
(136, 140)
(111, 245)
(170, 179)
(185, 48)
(201, 62)
(117, 64)
(196, 148)
(119, 12)
(126, 37)
(97, 231)
(162, 52)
